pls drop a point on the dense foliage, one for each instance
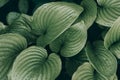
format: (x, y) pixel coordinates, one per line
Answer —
(59, 39)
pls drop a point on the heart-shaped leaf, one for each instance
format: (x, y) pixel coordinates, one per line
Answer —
(35, 64)
(90, 12)
(52, 19)
(101, 59)
(112, 38)
(10, 46)
(72, 41)
(87, 72)
(108, 12)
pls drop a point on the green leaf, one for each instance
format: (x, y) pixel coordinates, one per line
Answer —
(22, 26)
(71, 42)
(23, 6)
(90, 12)
(35, 64)
(12, 16)
(108, 12)
(3, 2)
(87, 72)
(72, 63)
(10, 46)
(112, 38)
(2, 28)
(101, 59)
(52, 19)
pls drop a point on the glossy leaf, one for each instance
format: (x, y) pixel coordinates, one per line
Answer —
(87, 72)
(10, 46)
(112, 38)
(108, 12)
(35, 64)
(71, 42)
(52, 19)
(90, 12)
(101, 59)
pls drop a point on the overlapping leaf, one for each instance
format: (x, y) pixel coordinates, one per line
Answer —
(72, 63)
(108, 12)
(112, 38)
(35, 64)
(102, 59)
(12, 16)
(10, 47)
(71, 42)
(52, 19)
(90, 12)
(23, 26)
(87, 72)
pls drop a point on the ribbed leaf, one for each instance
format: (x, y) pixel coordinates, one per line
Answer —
(23, 6)
(87, 72)
(12, 16)
(52, 19)
(102, 59)
(90, 12)
(112, 38)
(72, 63)
(10, 46)
(23, 26)
(35, 64)
(3, 2)
(71, 42)
(108, 12)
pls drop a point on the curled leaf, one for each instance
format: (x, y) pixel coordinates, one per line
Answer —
(71, 42)
(112, 38)
(101, 59)
(108, 12)
(52, 19)
(34, 64)
(10, 46)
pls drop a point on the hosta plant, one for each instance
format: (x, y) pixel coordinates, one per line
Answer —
(60, 40)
